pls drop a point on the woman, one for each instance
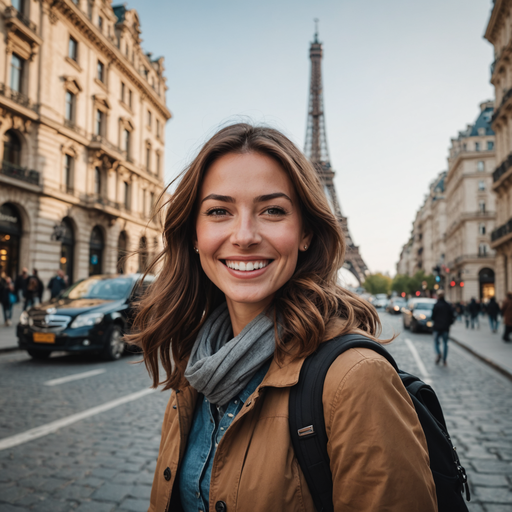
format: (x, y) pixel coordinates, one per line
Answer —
(7, 297)
(247, 290)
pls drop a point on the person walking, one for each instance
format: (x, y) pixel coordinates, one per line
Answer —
(474, 311)
(57, 284)
(20, 285)
(34, 286)
(493, 311)
(443, 317)
(247, 291)
(7, 298)
(506, 313)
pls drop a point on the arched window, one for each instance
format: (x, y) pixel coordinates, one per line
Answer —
(10, 234)
(67, 249)
(143, 254)
(96, 246)
(12, 148)
(122, 251)
(486, 280)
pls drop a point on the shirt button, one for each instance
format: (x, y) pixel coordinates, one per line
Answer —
(198, 495)
(220, 506)
(167, 474)
(230, 415)
(222, 428)
(236, 401)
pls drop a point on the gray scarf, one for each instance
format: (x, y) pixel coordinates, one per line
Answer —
(221, 366)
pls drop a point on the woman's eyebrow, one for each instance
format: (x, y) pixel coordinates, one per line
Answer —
(217, 197)
(269, 197)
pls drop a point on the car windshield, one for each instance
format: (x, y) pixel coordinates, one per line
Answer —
(424, 305)
(98, 287)
(399, 302)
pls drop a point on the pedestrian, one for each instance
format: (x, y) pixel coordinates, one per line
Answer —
(7, 297)
(20, 285)
(247, 290)
(474, 311)
(34, 286)
(57, 284)
(443, 317)
(493, 311)
(506, 313)
(465, 311)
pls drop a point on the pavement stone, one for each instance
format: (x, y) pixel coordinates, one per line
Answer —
(112, 492)
(133, 505)
(95, 506)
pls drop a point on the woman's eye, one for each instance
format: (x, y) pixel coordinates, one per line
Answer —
(216, 212)
(274, 211)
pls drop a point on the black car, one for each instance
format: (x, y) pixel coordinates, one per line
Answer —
(417, 315)
(395, 305)
(90, 316)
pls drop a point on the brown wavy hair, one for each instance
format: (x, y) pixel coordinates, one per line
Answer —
(182, 297)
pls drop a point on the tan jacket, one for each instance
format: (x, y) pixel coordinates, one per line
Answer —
(377, 448)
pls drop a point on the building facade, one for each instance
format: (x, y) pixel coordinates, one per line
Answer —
(499, 34)
(470, 204)
(82, 119)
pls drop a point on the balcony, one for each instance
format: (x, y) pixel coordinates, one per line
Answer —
(465, 257)
(502, 169)
(20, 173)
(11, 12)
(501, 231)
(15, 96)
(504, 100)
(72, 126)
(21, 26)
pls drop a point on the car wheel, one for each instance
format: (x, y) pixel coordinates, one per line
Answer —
(38, 354)
(115, 344)
(414, 326)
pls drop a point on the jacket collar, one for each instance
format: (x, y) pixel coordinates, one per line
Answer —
(283, 374)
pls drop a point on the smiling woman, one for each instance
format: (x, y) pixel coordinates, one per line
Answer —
(248, 289)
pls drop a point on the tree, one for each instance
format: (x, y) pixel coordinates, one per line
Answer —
(401, 284)
(377, 283)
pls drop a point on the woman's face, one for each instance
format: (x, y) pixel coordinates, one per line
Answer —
(249, 228)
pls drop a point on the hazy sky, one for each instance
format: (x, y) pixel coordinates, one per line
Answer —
(401, 78)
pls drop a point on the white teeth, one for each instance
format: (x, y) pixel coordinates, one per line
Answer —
(246, 266)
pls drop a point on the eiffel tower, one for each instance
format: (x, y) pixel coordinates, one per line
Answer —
(318, 153)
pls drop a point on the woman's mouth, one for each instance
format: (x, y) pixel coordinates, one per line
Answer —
(246, 266)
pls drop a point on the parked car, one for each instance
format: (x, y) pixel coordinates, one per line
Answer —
(380, 301)
(417, 315)
(395, 305)
(90, 316)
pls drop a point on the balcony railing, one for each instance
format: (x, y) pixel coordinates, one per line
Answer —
(501, 231)
(72, 126)
(99, 199)
(11, 12)
(505, 98)
(20, 173)
(502, 169)
(16, 96)
(458, 259)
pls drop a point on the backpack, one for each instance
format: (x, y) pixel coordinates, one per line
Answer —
(309, 438)
(33, 284)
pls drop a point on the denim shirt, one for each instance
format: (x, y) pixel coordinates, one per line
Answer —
(204, 437)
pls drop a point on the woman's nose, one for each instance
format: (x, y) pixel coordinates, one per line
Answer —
(245, 231)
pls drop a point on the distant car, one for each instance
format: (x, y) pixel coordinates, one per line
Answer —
(380, 301)
(90, 316)
(395, 305)
(417, 315)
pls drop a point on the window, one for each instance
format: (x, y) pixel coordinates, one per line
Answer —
(12, 148)
(73, 49)
(482, 229)
(123, 87)
(149, 119)
(101, 71)
(89, 10)
(157, 170)
(127, 50)
(158, 127)
(100, 122)
(482, 250)
(480, 166)
(477, 146)
(126, 195)
(100, 23)
(70, 107)
(481, 206)
(481, 186)
(151, 201)
(144, 202)
(490, 145)
(126, 142)
(18, 5)
(68, 172)
(17, 68)
(97, 181)
(130, 97)
(148, 158)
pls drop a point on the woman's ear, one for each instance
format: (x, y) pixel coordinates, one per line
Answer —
(307, 237)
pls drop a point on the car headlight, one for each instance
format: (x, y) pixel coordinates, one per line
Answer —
(397, 308)
(24, 318)
(420, 316)
(89, 319)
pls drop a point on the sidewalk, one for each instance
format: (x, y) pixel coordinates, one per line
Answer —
(8, 339)
(487, 346)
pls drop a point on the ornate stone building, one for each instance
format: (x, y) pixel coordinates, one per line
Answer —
(499, 34)
(470, 205)
(82, 118)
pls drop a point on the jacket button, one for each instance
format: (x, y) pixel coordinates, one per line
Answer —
(167, 474)
(220, 506)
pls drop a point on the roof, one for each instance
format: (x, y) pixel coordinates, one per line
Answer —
(483, 121)
(119, 11)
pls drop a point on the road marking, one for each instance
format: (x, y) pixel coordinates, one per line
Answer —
(419, 362)
(75, 376)
(49, 428)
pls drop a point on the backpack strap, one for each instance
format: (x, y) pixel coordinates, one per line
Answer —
(306, 414)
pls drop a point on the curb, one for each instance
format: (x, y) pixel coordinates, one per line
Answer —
(9, 349)
(485, 360)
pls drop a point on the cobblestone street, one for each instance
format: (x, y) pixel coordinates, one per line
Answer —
(105, 462)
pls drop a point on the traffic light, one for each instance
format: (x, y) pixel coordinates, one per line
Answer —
(418, 294)
(403, 294)
(461, 284)
(452, 283)
(438, 279)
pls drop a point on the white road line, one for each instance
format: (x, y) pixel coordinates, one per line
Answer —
(425, 375)
(44, 430)
(75, 376)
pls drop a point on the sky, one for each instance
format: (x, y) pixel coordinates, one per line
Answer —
(401, 78)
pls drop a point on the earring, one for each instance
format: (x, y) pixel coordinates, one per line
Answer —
(305, 247)
(196, 249)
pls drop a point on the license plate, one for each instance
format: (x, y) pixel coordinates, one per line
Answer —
(44, 337)
(429, 324)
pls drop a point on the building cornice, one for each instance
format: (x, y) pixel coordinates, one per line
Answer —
(82, 23)
(496, 16)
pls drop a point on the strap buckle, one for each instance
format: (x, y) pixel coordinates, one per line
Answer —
(306, 431)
